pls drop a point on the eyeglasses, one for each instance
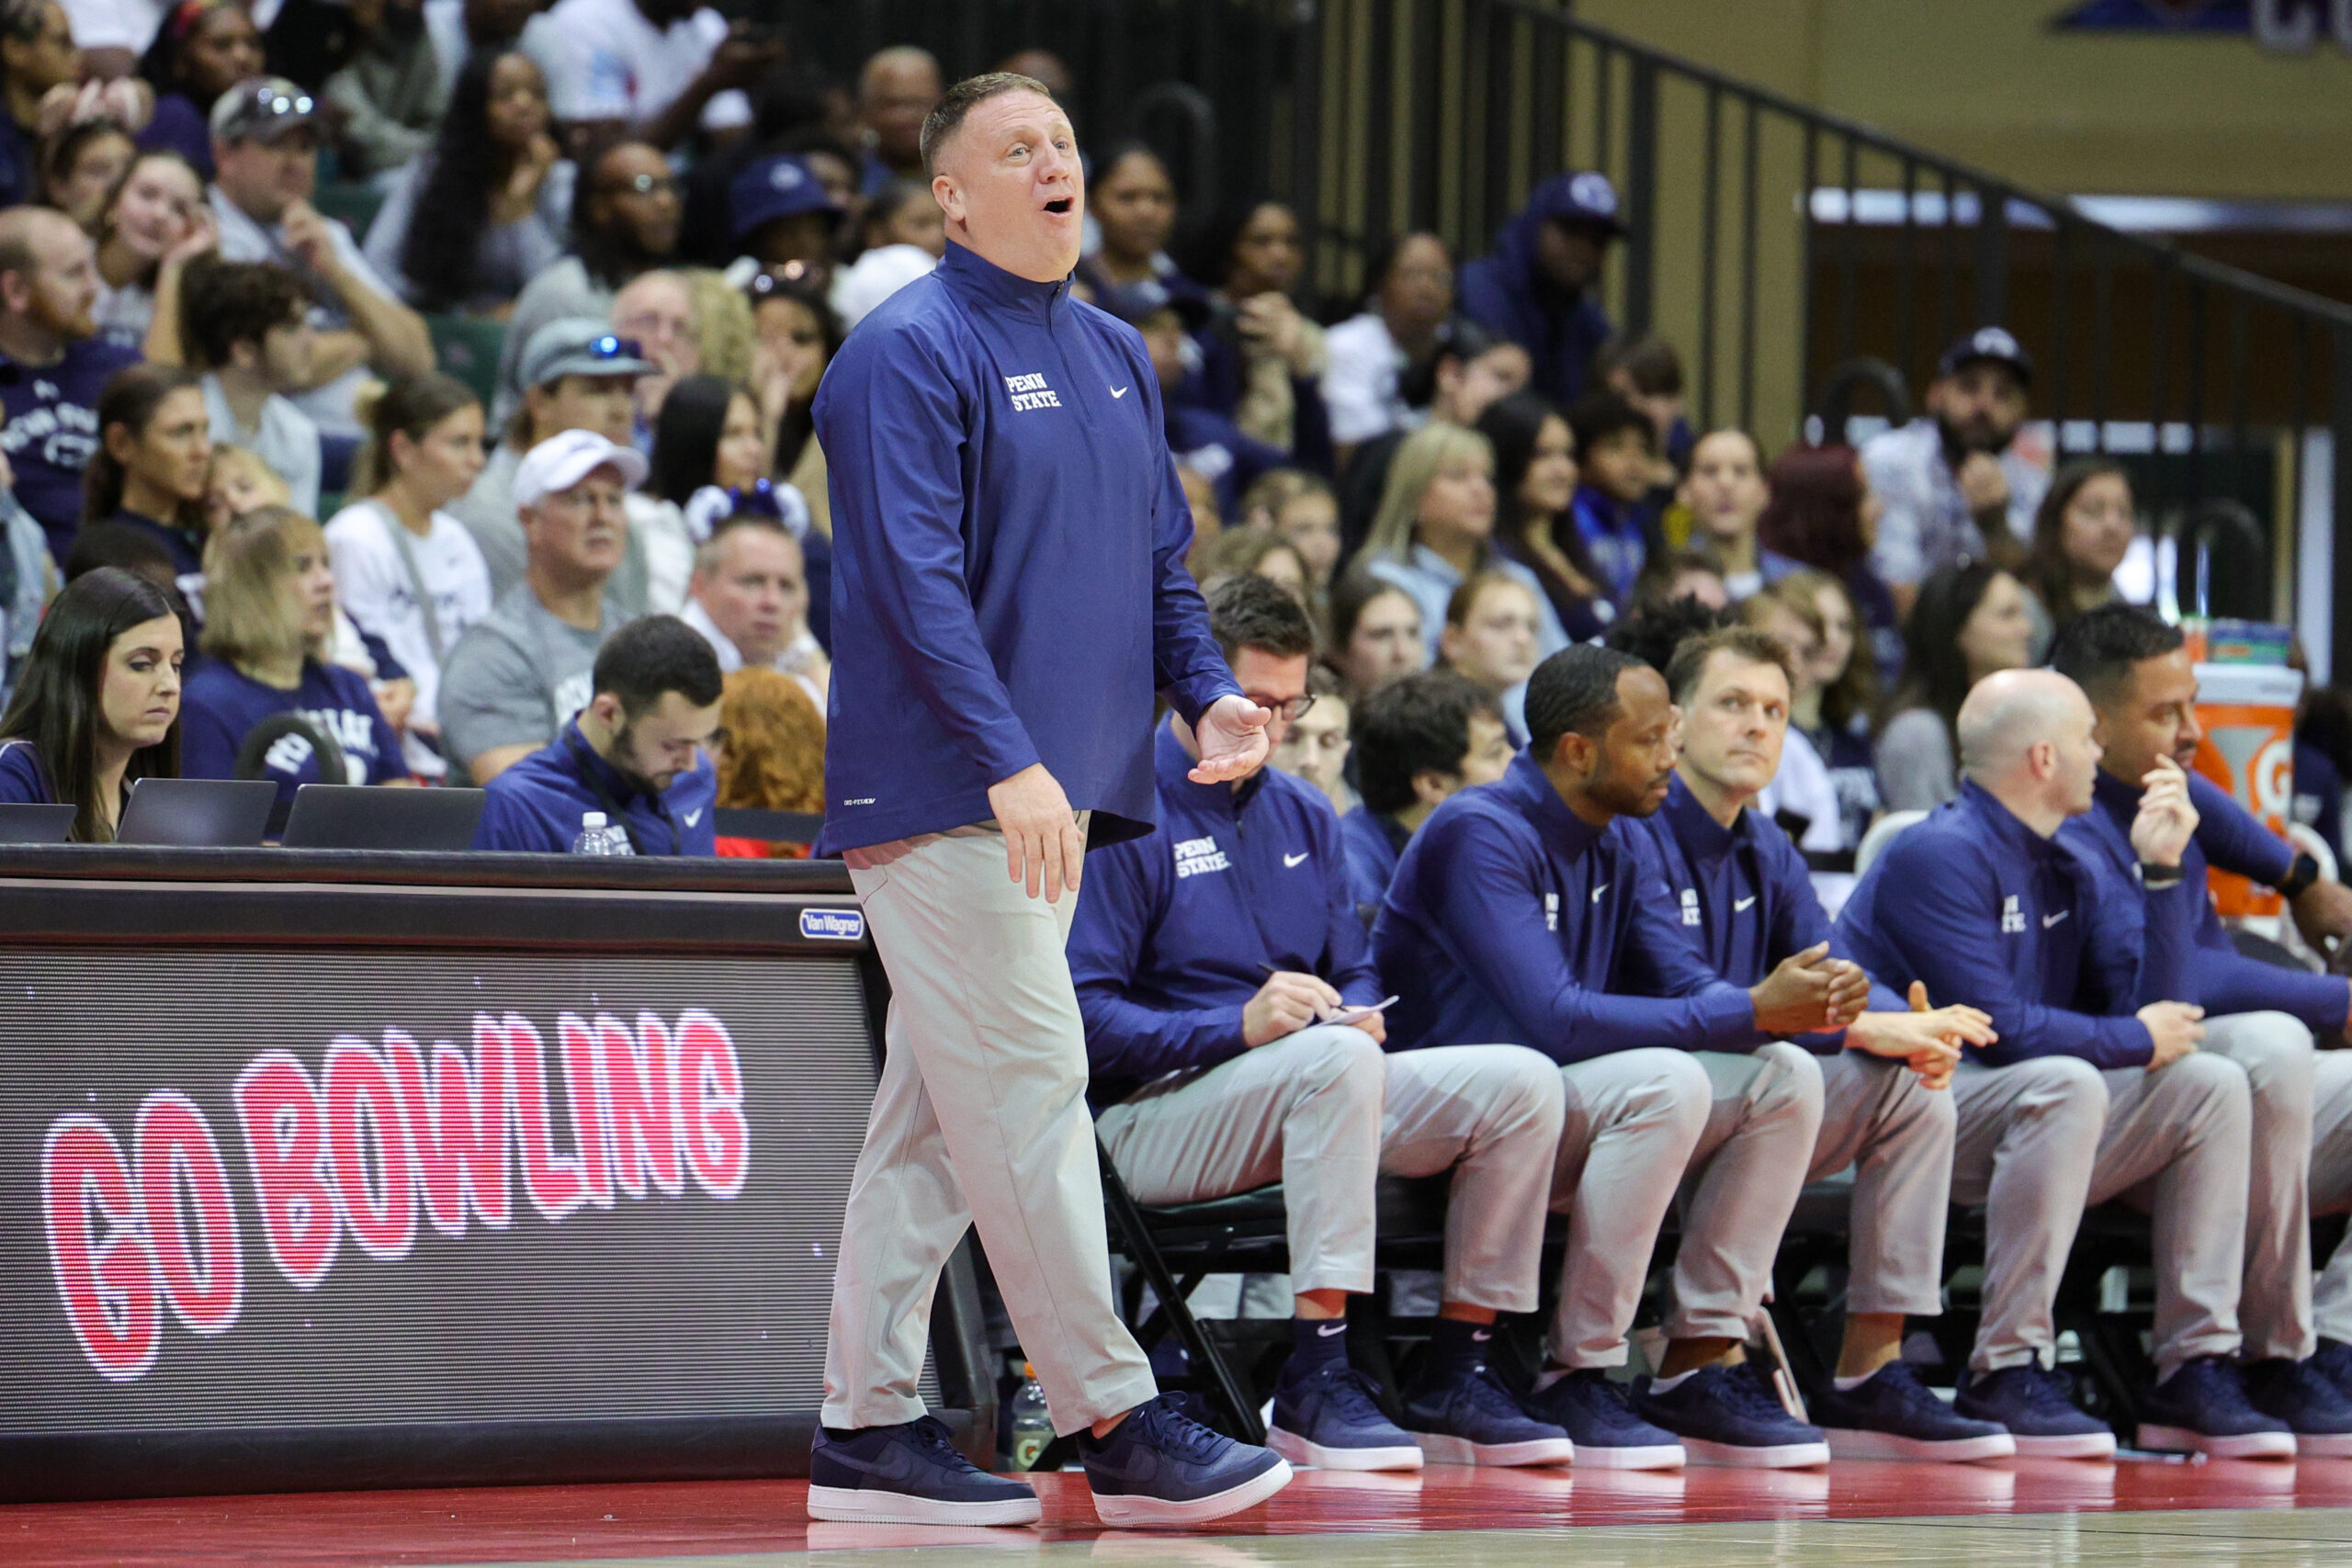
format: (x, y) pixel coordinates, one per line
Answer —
(612, 347)
(641, 185)
(1290, 710)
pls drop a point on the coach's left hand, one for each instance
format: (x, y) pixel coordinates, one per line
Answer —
(1232, 736)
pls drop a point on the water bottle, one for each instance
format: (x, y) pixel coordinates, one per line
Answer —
(597, 839)
(1032, 1425)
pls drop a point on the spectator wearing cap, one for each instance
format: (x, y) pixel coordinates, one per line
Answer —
(637, 752)
(265, 150)
(517, 676)
(55, 365)
(1384, 359)
(246, 326)
(896, 88)
(784, 217)
(1952, 483)
(582, 376)
(487, 207)
(626, 222)
(750, 599)
(1203, 440)
(653, 69)
(1474, 369)
(1540, 287)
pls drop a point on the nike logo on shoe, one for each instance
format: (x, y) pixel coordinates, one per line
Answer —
(1329, 1329)
(1480, 1336)
(1119, 391)
(1739, 904)
(2049, 920)
(1289, 860)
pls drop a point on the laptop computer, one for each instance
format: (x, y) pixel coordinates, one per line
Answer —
(26, 823)
(197, 813)
(371, 816)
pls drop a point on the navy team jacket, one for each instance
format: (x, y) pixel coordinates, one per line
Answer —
(2220, 978)
(1745, 896)
(1175, 930)
(1009, 538)
(1513, 921)
(1989, 912)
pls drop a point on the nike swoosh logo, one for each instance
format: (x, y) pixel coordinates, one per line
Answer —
(1598, 891)
(1119, 391)
(693, 816)
(1480, 1336)
(2049, 920)
(1292, 860)
(1329, 1329)
(1739, 904)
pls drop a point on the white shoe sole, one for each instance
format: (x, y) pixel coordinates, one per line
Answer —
(1855, 1442)
(1315, 1456)
(1443, 1449)
(2078, 1445)
(859, 1505)
(1651, 1456)
(2324, 1445)
(2252, 1445)
(1132, 1510)
(1739, 1456)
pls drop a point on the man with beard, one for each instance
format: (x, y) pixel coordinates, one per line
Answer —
(634, 752)
(1541, 286)
(1952, 483)
(1530, 911)
(55, 365)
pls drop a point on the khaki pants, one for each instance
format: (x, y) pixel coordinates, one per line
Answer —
(1897, 1135)
(980, 1121)
(2275, 1305)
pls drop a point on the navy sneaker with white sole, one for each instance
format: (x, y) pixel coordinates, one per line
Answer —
(1161, 1467)
(1597, 1413)
(2203, 1408)
(1725, 1415)
(2333, 1361)
(2307, 1400)
(1893, 1415)
(1468, 1417)
(1330, 1420)
(2037, 1405)
(909, 1475)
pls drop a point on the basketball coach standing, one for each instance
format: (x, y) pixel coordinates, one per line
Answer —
(1008, 592)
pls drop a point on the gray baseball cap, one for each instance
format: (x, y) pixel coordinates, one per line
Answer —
(262, 108)
(580, 345)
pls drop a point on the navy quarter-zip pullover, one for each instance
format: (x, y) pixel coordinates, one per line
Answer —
(1008, 537)
(1175, 931)
(1990, 913)
(1745, 896)
(1513, 921)
(2220, 978)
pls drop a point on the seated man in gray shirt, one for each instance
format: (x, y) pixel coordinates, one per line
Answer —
(516, 676)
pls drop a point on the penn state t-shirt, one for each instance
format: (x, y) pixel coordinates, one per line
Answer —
(221, 705)
(51, 427)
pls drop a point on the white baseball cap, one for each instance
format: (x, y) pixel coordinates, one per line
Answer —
(561, 461)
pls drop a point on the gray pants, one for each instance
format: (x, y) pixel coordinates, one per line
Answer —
(1897, 1135)
(980, 1121)
(1638, 1123)
(2275, 1305)
(1326, 1111)
(2332, 1187)
(2041, 1140)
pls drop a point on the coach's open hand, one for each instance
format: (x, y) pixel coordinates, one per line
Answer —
(1232, 736)
(1042, 843)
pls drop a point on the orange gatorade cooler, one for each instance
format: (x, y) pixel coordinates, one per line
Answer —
(2247, 712)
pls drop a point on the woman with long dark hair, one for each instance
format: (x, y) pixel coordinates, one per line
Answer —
(1133, 202)
(797, 335)
(203, 49)
(1535, 485)
(1262, 358)
(485, 208)
(1969, 621)
(98, 704)
(154, 453)
(2082, 531)
(1822, 513)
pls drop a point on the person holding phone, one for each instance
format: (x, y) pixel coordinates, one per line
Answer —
(1233, 1038)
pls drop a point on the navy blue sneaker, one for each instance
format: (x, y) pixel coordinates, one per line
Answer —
(1597, 1413)
(2037, 1405)
(1725, 1415)
(909, 1475)
(2333, 1361)
(1161, 1467)
(2311, 1405)
(1893, 1415)
(1331, 1421)
(2203, 1408)
(1470, 1418)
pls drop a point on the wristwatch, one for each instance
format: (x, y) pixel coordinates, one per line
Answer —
(2158, 878)
(2306, 873)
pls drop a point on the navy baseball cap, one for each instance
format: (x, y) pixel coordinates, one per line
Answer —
(1987, 346)
(779, 185)
(1584, 200)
